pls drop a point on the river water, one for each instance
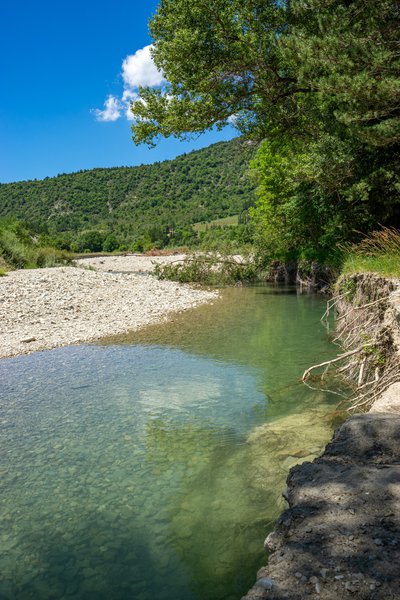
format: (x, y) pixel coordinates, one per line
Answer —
(152, 465)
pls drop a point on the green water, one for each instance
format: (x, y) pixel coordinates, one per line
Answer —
(152, 466)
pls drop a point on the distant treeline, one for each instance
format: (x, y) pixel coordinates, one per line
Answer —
(137, 208)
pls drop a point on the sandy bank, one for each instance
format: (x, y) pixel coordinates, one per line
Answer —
(46, 308)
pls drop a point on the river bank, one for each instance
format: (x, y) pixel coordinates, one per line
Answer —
(42, 309)
(340, 536)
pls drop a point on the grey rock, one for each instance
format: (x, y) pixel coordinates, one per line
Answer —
(265, 582)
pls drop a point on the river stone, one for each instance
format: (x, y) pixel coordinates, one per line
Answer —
(389, 401)
(265, 582)
(48, 308)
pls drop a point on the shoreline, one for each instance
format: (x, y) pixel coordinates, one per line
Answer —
(340, 534)
(42, 309)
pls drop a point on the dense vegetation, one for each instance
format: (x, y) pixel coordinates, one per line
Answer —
(138, 207)
(18, 250)
(314, 88)
(317, 82)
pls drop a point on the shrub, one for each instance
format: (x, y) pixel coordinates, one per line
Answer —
(209, 269)
(15, 252)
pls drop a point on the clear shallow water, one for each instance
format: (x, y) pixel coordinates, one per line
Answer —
(152, 466)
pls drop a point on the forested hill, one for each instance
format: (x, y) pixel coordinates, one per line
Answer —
(134, 201)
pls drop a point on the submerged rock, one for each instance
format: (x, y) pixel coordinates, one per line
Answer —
(343, 520)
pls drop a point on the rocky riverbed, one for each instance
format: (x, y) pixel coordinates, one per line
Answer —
(46, 308)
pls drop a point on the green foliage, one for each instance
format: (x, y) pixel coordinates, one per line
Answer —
(319, 81)
(264, 62)
(348, 53)
(90, 241)
(19, 249)
(349, 288)
(14, 252)
(209, 269)
(136, 207)
(110, 243)
(221, 61)
(313, 198)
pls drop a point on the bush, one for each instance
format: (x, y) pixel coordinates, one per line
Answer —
(209, 269)
(110, 243)
(15, 252)
(18, 250)
(90, 241)
(51, 257)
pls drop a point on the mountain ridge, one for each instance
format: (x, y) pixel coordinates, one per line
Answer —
(199, 186)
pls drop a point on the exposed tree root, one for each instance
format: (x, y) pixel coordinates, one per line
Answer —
(327, 363)
(366, 321)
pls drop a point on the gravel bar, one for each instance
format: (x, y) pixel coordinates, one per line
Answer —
(47, 308)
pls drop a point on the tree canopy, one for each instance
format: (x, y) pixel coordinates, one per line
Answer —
(256, 60)
(221, 61)
(318, 80)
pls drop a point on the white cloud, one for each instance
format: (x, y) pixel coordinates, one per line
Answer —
(112, 110)
(139, 70)
(127, 97)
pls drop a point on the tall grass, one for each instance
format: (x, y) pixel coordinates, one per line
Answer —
(378, 252)
(18, 251)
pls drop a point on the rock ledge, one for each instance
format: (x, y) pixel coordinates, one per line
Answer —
(340, 536)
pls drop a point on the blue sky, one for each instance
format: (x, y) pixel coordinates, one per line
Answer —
(59, 63)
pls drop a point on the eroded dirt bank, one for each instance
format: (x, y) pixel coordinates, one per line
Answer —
(340, 536)
(46, 308)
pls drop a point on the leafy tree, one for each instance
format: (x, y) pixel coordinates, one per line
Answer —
(110, 243)
(90, 240)
(221, 60)
(318, 79)
(257, 60)
(348, 53)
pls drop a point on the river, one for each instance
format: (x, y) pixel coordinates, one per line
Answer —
(152, 465)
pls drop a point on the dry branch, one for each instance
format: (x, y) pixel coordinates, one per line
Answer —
(308, 371)
(362, 307)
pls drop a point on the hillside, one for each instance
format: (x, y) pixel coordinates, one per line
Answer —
(129, 202)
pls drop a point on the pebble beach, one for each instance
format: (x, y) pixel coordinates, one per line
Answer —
(47, 308)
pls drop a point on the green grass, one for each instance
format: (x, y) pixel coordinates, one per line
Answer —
(377, 253)
(225, 222)
(388, 265)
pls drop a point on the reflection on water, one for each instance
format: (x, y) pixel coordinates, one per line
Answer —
(152, 467)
